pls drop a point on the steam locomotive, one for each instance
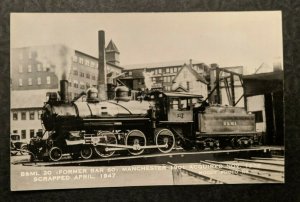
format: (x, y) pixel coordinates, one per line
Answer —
(159, 121)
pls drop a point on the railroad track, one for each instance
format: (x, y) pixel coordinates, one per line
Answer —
(68, 161)
(256, 170)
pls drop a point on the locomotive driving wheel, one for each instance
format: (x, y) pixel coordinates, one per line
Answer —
(105, 137)
(55, 154)
(135, 138)
(86, 152)
(165, 137)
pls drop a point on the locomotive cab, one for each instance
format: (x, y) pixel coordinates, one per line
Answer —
(177, 107)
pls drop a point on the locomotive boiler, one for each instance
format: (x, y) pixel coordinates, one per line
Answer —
(159, 121)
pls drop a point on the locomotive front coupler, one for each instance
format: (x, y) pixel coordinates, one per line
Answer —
(134, 147)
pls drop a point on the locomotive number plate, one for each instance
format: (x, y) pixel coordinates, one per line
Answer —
(229, 123)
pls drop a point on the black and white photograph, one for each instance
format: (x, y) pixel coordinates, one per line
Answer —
(146, 99)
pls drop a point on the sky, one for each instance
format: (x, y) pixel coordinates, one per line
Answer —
(227, 38)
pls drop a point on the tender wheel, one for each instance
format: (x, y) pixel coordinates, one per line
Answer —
(211, 143)
(137, 139)
(244, 142)
(165, 137)
(105, 138)
(55, 154)
(86, 152)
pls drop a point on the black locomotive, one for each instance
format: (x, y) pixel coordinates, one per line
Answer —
(158, 121)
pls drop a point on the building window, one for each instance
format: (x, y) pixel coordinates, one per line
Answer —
(15, 116)
(31, 133)
(39, 114)
(92, 64)
(75, 72)
(15, 131)
(46, 67)
(93, 78)
(130, 73)
(88, 75)
(29, 68)
(87, 63)
(159, 71)
(75, 58)
(81, 74)
(29, 81)
(258, 116)
(167, 70)
(39, 68)
(82, 86)
(48, 80)
(88, 85)
(80, 60)
(31, 115)
(23, 134)
(23, 115)
(20, 82)
(168, 79)
(39, 81)
(165, 79)
(75, 84)
(20, 68)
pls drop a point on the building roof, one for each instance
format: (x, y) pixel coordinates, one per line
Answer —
(114, 65)
(111, 47)
(197, 76)
(24, 99)
(258, 84)
(182, 94)
(177, 63)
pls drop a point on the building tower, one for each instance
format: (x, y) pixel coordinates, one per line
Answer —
(112, 53)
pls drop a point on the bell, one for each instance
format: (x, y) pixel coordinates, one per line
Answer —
(92, 95)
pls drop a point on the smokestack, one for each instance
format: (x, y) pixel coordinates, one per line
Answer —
(64, 91)
(191, 63)
(102, 85)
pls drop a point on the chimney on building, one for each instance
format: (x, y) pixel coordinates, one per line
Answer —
(102, 83)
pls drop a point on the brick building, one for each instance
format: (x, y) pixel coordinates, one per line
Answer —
(158, 75)
(38, 70)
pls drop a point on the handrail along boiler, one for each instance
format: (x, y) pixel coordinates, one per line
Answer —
(158, 121)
